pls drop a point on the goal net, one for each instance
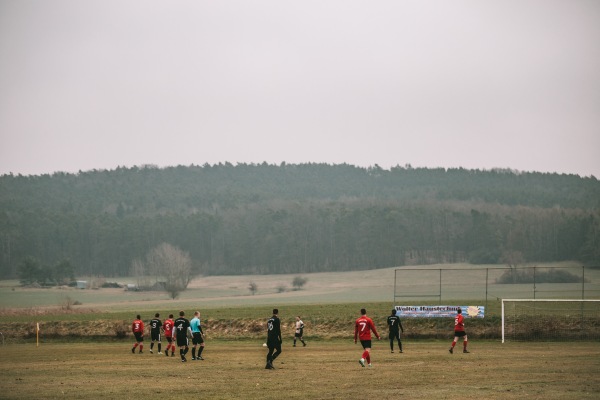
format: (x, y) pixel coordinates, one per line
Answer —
(550, 320)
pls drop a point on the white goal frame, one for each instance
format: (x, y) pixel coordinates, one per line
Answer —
(540, 300)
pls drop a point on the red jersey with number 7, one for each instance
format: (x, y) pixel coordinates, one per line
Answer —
(363, 327)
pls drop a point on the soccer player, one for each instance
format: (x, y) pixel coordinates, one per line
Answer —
(168, 328)
(182, 329)
(137, 327)
(395, 326)
(459, 331)
(197, 336)
(273, 339)
(362, 330)
(155, 326)
(299, 333)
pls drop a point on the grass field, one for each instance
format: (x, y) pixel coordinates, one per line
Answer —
(322, 370)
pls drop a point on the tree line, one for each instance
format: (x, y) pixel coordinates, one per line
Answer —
(295, 218)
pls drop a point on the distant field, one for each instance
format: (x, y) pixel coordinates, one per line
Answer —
(321, 288)
(322, 370)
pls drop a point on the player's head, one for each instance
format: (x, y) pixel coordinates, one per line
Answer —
(363, 311)
(157, 315)
(196, 313)
(181, 313)
(459, 311)
(170, 315)
(297, 318)
(275, 311)
(393, 311)
(138, 316)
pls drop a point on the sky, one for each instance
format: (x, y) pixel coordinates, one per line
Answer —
(99, 84)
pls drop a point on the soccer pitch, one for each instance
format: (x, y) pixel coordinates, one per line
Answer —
(327, 369)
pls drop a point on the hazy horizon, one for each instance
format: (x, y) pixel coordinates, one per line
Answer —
(440, 84)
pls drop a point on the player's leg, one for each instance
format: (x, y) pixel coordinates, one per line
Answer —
(391, 337)
(453, 344)
(159, 344)
(465, 344)
(277, 352)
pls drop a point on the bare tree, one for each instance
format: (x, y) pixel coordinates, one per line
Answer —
(299, 282)
(172, 263)
(253, 287)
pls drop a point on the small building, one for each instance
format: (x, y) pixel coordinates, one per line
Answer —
(81, 284)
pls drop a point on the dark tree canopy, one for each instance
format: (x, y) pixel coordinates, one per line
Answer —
(294, 218)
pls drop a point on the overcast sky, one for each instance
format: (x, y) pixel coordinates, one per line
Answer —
(96, 84)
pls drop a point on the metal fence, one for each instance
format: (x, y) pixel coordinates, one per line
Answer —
(494, 283)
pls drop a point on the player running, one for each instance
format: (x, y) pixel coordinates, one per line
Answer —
(137, 327)
(182, 330)
(299, 333)
(459, 331)
(155, 327)
(362, 330)
(273, 339)
(168, 328)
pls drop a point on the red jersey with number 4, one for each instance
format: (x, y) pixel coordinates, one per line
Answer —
(459, 324)
(363, 327)
(137, 326)
(168, 327)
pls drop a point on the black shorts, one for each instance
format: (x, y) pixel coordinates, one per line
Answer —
(197, 338)
(394, 335)
(139, 336)
(155, 336)
(170, 339)
(460, 333)
(182, 341)
(366, 344)
(299, 334)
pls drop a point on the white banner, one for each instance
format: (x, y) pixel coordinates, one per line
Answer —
(439, 311)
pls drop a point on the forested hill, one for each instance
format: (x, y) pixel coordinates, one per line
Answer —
(261, 218)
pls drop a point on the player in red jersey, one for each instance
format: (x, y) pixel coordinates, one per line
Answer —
(137, 327)
(168, 328)
(362, 330)
(459, 331)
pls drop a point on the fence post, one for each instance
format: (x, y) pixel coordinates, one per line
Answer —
(534, 282)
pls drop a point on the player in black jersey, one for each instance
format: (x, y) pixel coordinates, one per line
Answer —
(273, 338)
(155, 326)
(395, 326)
(182, 330)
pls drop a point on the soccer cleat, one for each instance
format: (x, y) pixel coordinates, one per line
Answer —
(401, 351)
(269, 366)
(133, 350)
(141, 351)
(362, 362)
(172, 354)
(193, 358)
(151, 351)
(199, 358)
(465, 351)
(159, 352)
(303, 344)
(392, 351)
(167, 353)
(451, 351)
(370, 365)
(183, 359)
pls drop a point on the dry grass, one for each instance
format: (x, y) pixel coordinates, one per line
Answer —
(322, 370)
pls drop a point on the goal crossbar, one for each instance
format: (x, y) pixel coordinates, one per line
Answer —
(578, 301)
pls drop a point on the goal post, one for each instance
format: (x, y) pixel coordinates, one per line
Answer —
(550, 319)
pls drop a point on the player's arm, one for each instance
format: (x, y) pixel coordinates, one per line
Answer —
(375, 331)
